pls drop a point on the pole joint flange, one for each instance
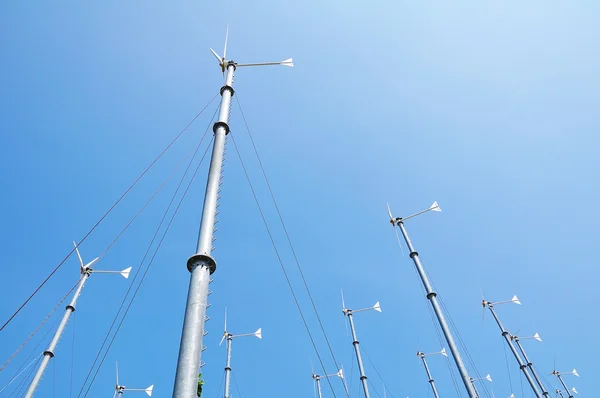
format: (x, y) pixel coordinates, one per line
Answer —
(199, 260)
(430, 295)
(49, 353)
(228, 88)
(412, 254)
(70, 307)
(221, 124)
(363, 377)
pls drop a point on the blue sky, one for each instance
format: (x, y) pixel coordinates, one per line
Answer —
(490, 108)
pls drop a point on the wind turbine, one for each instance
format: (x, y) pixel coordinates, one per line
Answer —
(506, 335)
(119, 389)
(317, 379)
(473, 380)
(559, 374)
(537, 337)
(355, 343)
(201, 265)
(432, 296)
(422, 356)
(230, 337)
(85, 270)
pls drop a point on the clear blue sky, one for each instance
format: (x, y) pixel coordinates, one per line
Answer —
(490, 108)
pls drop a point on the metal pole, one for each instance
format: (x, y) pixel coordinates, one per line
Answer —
(228, 365)
(201, 265)
(474, 388)
(318, 380)
(564, 385)
(49, 353)
(522, 366)
(530, 365)
(435, 393)
(363, 377)
(559, 392)
(432, 297)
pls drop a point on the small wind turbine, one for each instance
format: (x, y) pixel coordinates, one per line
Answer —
(355, 343)
(317, 379)
(431, 382)
(566, 389)
(119, 389)
(474, 379)
(431, 295)
(507, 338)
(230, 337)
(85, 270)
(538, 380)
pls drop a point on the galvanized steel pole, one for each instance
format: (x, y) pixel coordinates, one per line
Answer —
(530, 365)
(363, 377)
(228, 365)
(201, 265)
(435, 393)
(522, 366)
(318, 381)
(49, 353)
(564, 385)
(432, 297)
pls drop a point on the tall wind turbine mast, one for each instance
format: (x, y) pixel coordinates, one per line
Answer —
(230, 337)
(432, 297)
(422, 355)
(349, 313)
(201, 265)
(85, 270)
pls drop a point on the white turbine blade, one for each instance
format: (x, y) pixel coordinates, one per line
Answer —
(115, 394)
(78, 255)
(389, 211)
(225, 48)
(225, 326)
(343, 304)
(149, 390)
(222, 338)
(94, 261)
(117, 373)
(377, 307)
(126, 272)
(435, 207)
(258, 333)
(575, 372)
(488, 377)
(537, 337)
(216, 56)
(443, 352)
(515, 300)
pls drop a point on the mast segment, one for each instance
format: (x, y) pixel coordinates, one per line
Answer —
(432, 297)
(201, 265)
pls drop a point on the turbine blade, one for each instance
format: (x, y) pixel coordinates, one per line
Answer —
(117, 373)
(343, 304)
(225, 48)
(222, 338)
(225, 327)
(115, 394)
(78, 255)
(390, 213)
(94, 261)
(216, 56)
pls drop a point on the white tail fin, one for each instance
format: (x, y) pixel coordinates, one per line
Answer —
(149, 390)
(537, 337)
(443, 352)
(377, 307)
(287, 62)
(126, 272)
(488, 377)
(515, 300)
(435, 207)
(258, 333)
(575, 372)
